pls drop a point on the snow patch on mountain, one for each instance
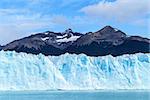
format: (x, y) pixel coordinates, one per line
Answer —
(72, 38)
(60, 37)
(46, 38)
(46, 33)
(21, 71)
(116, 29)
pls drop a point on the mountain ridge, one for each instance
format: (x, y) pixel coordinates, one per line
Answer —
(105, 41)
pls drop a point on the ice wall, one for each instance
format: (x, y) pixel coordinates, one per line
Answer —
(21, 71)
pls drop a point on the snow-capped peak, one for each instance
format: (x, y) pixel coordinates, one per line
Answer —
(67, 36)
(46, 38)
(68, 31)
(47, 32)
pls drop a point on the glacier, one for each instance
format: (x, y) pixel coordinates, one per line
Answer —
(22, 71)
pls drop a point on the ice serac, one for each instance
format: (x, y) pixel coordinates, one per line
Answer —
(21, 71)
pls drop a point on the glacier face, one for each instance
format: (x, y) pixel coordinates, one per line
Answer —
(21, 71)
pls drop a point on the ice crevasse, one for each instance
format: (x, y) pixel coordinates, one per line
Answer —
(21, 71)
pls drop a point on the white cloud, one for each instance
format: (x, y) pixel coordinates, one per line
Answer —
(10, 11)
(120, 10)
(60, 20)
(20, 27)
(14, 25)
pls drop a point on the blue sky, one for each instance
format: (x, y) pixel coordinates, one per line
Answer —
(19, 18)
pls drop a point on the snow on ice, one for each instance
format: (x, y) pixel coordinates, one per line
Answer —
(21, 71)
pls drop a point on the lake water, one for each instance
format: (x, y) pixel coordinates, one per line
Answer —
(76, 95)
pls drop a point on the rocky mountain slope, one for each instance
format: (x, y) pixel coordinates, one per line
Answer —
(106, 41)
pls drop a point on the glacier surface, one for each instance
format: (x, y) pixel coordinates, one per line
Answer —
(21, 71)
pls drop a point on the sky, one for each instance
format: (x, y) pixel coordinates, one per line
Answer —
(20, 18)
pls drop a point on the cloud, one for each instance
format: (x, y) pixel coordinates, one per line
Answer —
(20, 18)
(10, 11)
(119, 10)
(19, 28)
(60, 20)
(17, 23)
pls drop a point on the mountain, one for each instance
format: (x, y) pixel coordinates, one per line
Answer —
(0, 47)
(109, 41)
(106, 41)
(48, 43)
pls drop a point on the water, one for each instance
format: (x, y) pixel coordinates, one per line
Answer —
(76, 95)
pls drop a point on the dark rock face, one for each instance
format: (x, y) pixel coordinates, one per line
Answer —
(109, 41)
(0, 47)
(103, 42)
(48, 43)
(107, 34)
